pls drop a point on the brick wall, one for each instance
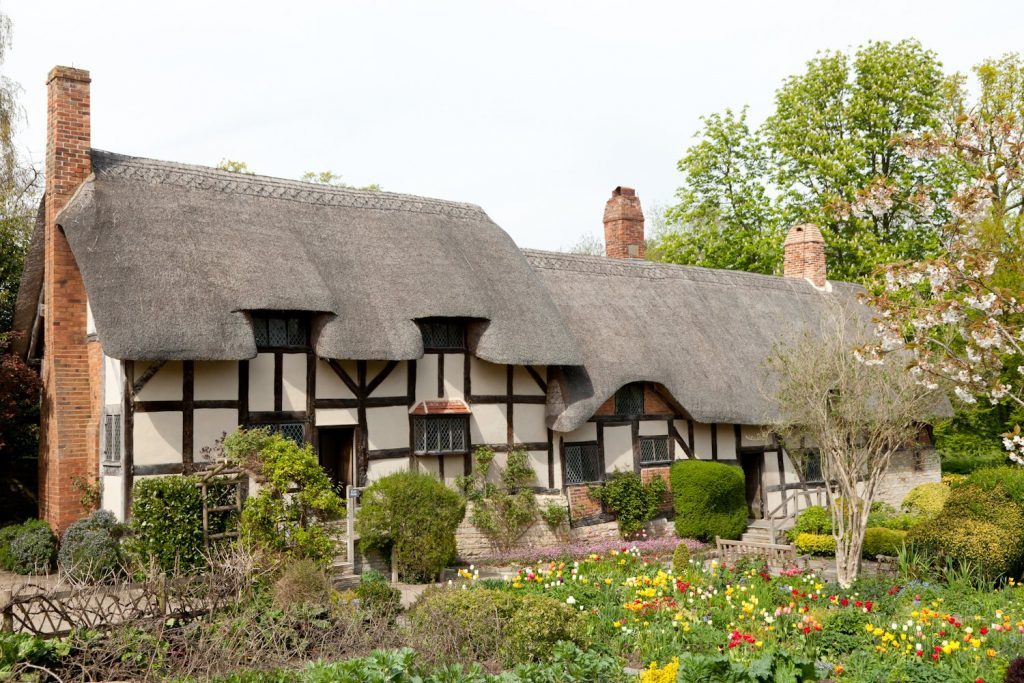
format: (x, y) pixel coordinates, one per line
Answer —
(71, 369)
(624, 225)
(581, 505)
(804, 254)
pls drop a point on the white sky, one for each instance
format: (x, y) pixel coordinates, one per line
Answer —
(533, 110)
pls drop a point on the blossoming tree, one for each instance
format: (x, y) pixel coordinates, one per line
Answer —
(855, 414)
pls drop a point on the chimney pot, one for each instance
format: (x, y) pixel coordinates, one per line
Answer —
(624, 225)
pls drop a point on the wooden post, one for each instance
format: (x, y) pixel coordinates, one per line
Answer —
(6, 596)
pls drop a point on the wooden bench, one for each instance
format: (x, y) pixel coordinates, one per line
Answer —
(774, 554)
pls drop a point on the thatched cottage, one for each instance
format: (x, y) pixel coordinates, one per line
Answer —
(168, 303)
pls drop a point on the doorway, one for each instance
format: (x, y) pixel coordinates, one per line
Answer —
(753, 469)
(335, 448)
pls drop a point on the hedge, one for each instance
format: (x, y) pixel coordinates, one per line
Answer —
(882, 541)
(926, 499)
(167, 522)
(815, 544)
(710, 499)
(33, 547)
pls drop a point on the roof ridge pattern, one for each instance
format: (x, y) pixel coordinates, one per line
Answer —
(651, 270)
(193, 177)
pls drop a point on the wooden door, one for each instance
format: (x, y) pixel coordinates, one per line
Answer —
(753, 469)
(335, 446)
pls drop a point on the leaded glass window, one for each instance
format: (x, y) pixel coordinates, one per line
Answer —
(654, 450)
(629, 400)
(812, 465)
(293, 431)
(443, 335)
(582, 463)
(280, 331)
(112, 439)
(440, 434)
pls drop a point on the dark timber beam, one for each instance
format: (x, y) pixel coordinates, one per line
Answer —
(144, 378)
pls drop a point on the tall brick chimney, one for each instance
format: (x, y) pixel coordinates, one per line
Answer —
(804, 254)
(69, 431)
(623, 225)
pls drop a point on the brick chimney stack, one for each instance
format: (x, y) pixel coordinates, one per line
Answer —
(624, 225)
(69, 438)
(804, 254)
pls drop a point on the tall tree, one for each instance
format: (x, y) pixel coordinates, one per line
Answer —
(827, 155)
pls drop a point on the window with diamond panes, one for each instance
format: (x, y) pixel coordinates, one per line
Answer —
(812, 465)
(293, 431)
(653, 450)
(280, 331)
(112, 439)
(436, 435)
(443, 335)
(582, 463)
(629, 400)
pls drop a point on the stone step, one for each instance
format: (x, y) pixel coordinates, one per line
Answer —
(345, 581)
(340, 566)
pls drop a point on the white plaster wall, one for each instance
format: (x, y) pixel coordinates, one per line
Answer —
(528, 423)
(209, 425)
(387, 427)
(426, 377)
(90, 322)
(395, 384)
(771, 469)
(216, 380)
(754, 435)
(702, 440)
(376, 469)
(726, 442)
(488, 424)
(585, 432)
(336, 417)
(487, 379)
(653, 428)
(523, 384)
(157, 438)
(113, 383)
(618, 448)
(112, 497)
(293, 381)
(165, 385)
(454, 375)
(682, 427)
(454, 467)
(428, 465)
(539, 462)
(328, 384)
(261, 382)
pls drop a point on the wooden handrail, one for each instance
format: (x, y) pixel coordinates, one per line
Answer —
(794, 494)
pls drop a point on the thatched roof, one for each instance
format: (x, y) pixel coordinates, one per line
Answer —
(171, 254)
(703, 334)
(31, 285)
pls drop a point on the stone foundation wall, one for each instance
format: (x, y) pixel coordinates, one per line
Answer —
(906, 470)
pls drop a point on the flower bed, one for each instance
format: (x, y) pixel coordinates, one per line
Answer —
(578, 550)
(729, 616)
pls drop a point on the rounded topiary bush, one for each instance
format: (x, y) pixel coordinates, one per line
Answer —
(881, 541)
(680, 559)
(91, 548)
(710, 500)
(33, 548)
(537, 625)
(815, 544)
(412, 516)
(813, 520)
(167, 523)
(926, 499)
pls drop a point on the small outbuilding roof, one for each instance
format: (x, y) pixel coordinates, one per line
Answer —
(172, 255)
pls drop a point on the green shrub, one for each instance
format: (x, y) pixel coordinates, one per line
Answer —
(7, 535)
(303, 582)
(377, 596)
(33, 548)
(1010, 478)
(926, 499)
(710, 500)
(295, 499)
(411, 516)
(813, 520)
(680, 559)
(537, 625)
(978, 526)
(633, 502)
(843, 632)
(882, 541)
(815, 544)
(167, 523)
(91, 547)
(503, 513)
(555, 515)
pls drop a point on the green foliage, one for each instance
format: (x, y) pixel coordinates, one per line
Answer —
(287, 515)
(710, 500)
(22, 648)
(633, 502)
(770, 667)
(926, 499)
(377, 596)
(813, 520)
(882, 541)
(33, 547)
(835, 130)
(555, 515)
(302, 582)
(167, 523)
(1009, 478)
(413, 517)
(815, 544)
(843, 633)
(977, 526)
(7, 535)
(537, 625)
(334, 180)
(680, 559)
(91, 547)
(234, 166)
(502, 512)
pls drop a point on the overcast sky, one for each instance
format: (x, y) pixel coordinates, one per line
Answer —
(534, 111)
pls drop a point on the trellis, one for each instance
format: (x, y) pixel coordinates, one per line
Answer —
(223, 489)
